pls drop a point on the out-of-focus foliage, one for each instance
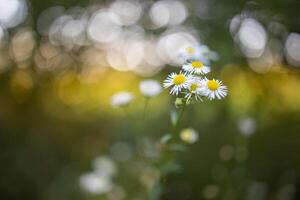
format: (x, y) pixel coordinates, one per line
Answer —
(57, 78)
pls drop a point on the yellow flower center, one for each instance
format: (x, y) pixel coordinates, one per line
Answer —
(213, 85)
(193, 87)
(190, 50)
(197, 64)
(179, 79)
(187, 135)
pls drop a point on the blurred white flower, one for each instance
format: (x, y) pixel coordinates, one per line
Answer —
(150, 88)
(104, 166)
(198, 52)
(189, 135)
(96, 184)
(213, 89)
(190, 52)
(196, 67)
(121, 99)
(247, 126)
(177, 82)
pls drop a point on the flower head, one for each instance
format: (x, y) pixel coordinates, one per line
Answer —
(121, 99)
(177, 82)
(194, 89)
(213, 89)
(190, 52)
(196, 67)
(95, 183)
(150, 88)
(104, 165)
(189, 135)
(197, 52)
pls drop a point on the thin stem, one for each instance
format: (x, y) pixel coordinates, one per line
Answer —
(176, 125)
(126, 113)
(145, 107)
(166, 157)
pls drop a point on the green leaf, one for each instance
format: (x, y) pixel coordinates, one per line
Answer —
(170, 167)
(179, 102)
(174, 117)
(165, 138)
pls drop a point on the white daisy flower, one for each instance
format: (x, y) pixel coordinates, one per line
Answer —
(196, 52)
(190, 52)
(177, 82)
(189, 135)
(104, 165)
(121, 99)
(213, 89)
(195, 89)
(150, 88)
(196, 67)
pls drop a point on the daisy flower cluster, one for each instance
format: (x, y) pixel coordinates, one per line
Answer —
(191, 82)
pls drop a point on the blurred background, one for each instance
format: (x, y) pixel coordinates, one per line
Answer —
(60, 62)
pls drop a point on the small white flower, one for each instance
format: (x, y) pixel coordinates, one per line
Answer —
(247, 126)
(121, 99)
(196, 52)
(196, 67)
(177, 82)
(93, 183)
(189, 135)
(195, 89)
(190, 52)
(150, 88)
(213, 89)
(104, 165)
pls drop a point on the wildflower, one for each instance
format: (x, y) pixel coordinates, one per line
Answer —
(196, 67)
(189, 135)
(121, 99)
(247, 126)
(177, 82)
(104, 165)
(213, 89)
(190, 52)
(198, 52)
(96, 184)
(150, 88)
(194, 89)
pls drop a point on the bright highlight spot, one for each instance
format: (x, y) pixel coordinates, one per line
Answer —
(292, 49)
(12, 12)
(252, 38)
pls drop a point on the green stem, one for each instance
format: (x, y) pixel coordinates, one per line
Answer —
(145, 107)
(176, 125)
(166, 157)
